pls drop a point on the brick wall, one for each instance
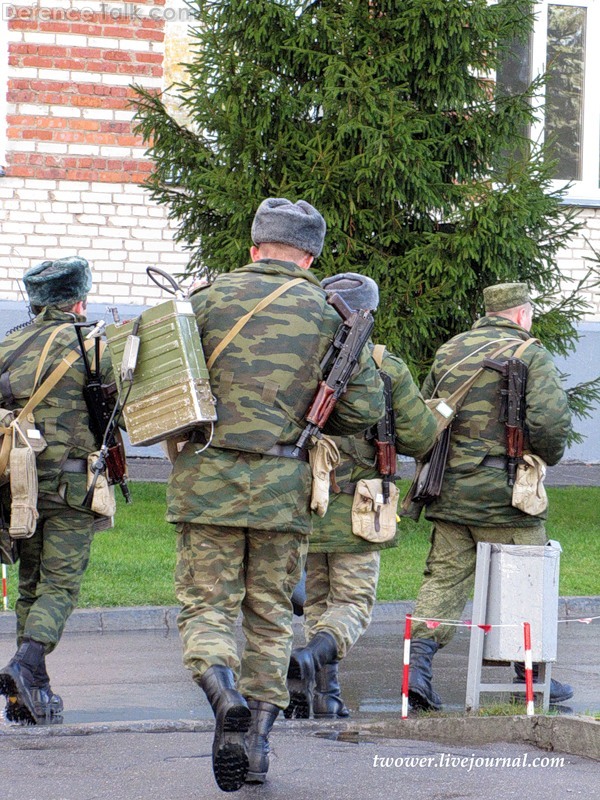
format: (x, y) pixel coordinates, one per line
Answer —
(70, 71)
(73, 164)
(576, 260)
(114, 225)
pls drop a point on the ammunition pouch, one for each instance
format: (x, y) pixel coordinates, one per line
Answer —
(174, 445)
(103, 499)
(372, 519)
(9, 552)
(324, 457)
(529, 494)
(23, 486)
(6, 437)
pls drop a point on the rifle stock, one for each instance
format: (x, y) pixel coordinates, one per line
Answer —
(514, 373)
(337, 366)
(103, 423)
(385, 439)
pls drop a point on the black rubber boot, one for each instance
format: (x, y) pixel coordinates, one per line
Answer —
(257, 739)
(304, 662)
(420, 691)
(48, 705)
(232, 720)
(327, 701)
(559, 692)
(17, 682)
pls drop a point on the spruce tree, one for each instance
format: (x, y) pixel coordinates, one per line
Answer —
(384, 114)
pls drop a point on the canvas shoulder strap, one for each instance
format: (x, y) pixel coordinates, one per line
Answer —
(459, 394)
(52, 379)
(46, 350)
(37, 397)
(247, 317)
(378, 353)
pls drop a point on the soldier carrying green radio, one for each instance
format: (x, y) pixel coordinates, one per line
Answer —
(242, 504)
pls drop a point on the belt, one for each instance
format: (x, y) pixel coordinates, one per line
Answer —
(281, 450)
(497, 462)
(349, 488)
(288, 451)
(75, 465)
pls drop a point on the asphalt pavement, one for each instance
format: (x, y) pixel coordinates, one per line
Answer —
(136, 726)
(567, 473)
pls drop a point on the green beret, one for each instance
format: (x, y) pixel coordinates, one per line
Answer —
(58, 283)
(505, 295)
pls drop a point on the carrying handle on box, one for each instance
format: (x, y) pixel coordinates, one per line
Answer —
(173, 288)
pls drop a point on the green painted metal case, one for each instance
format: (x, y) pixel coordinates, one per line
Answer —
(171, 392)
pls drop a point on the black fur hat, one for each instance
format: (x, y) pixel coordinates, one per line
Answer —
(58, 283)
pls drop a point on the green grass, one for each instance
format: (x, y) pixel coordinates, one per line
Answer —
(133, 564)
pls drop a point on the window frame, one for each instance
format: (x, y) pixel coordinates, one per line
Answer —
(585, 192)
(3, 87)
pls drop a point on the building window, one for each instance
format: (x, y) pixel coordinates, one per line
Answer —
(565, 45)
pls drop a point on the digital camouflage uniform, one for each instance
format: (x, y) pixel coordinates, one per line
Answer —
(243, 517)
(475, 502)
(53, 561)
(342, 568)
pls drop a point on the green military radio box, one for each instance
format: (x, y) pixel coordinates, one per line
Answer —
(170, 393)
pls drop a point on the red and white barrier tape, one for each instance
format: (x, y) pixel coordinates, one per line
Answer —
(4, 589)
(405, 668)
(432, 622)
(528, 670)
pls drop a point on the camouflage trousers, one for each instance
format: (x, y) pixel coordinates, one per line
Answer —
(222, 571)
(51, 567)
(449, 574)
(340, 593)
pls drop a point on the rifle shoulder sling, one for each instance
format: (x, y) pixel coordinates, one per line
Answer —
(458, 395)
(521, 349)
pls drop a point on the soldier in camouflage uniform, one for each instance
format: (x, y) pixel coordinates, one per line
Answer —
(241, 499)
(53, 561)
(475, 501)
(342, 569)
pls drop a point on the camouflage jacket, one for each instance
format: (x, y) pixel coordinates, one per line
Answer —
(62, 416)
(473, 493)
(415, 434)
(264, 382)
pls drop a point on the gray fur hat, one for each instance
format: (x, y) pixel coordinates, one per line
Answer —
(58, 283)
(296, 224)
(358, 291)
